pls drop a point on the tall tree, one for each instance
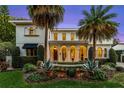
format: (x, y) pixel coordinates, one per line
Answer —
(97, 25)
(4, 10)
(7, 30)
(46, 17)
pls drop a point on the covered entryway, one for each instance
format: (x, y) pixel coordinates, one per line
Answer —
(90, 53)
(72, 53)
(83, 52)
(64, 53)
(55, 53)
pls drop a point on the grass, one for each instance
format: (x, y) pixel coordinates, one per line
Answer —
(12, 79)
(118, 78)
(15, 79)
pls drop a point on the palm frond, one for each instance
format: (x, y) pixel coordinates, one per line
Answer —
(105, 10)
(92, 10)
(109, 16)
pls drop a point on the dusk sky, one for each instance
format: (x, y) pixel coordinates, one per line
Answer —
(73, 14)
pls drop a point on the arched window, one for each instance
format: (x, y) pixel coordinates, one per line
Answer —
(105, 52)
(83, 52)
(99, 52)
(64, 49)
(72, 52)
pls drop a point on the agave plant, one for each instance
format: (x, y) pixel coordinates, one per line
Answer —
(48, 65)
(90, 66)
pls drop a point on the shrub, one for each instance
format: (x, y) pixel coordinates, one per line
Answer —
(16, 51)
(3, 66)
(94, 72)
(26, 59)
(29, 67)
(112, 56)
(90, 53)
(16, 62)
(35, 77)
(99, 75)
(40, 53)
(119, 52)
(71, 72)
(106, 67)
(5, 49)
(2, 54)
(111, 64)
(48, 65)
(119, 68)
(90, 66)
(19, 61)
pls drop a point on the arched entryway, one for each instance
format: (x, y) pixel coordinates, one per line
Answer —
(90, 53)
(64, 52)
(83, 52)
(55, 53)
(72, 52)
(99, 52)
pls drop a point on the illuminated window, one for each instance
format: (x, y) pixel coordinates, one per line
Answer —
(99, 52)
(83, 52)
(105, 52)
(64, 53)
(31, 31)
(72, 36)
(55, 36)
(72, 52)
(63, 36)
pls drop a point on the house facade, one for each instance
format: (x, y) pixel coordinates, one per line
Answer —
(63, 43)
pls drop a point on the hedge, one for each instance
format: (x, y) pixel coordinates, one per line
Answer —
(40, 53)
(113, 56)
(20, 61)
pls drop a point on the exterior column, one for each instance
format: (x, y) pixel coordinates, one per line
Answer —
(68, 54)
(48, 52)
(103, 53)
(59, 54)
(77, 53)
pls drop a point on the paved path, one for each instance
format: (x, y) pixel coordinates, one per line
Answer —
(68, 65)
(121, 64)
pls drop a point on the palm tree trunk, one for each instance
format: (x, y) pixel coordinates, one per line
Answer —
(94, 46)
(45, 41)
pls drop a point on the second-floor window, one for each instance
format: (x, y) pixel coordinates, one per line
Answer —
(55, 36)
(63, 36)
(30, 31)
(72, 36)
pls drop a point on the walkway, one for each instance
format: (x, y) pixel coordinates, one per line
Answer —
(67, 65)
(120, 64)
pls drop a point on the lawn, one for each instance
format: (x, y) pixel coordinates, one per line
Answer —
(15, 79)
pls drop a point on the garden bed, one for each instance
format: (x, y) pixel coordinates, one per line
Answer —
(16, 80)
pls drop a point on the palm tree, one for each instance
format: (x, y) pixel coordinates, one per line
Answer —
(97, 25)
(46, 17)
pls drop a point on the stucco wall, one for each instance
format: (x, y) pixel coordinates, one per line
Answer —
(21, 39)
